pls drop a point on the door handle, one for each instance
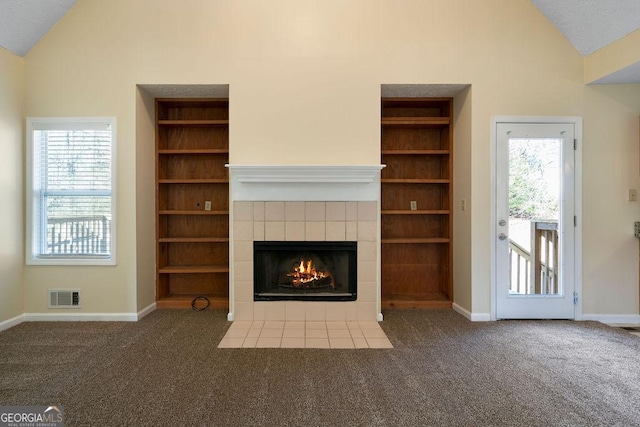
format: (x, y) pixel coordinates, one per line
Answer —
(502, 236)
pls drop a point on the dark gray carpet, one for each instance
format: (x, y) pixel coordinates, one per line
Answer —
(443, 371)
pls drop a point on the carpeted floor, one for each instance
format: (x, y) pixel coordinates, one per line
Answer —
(444, 371)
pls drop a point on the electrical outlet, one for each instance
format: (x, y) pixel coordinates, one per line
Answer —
(463, 204)
(207, 205)
(633, 195)
(414, 205)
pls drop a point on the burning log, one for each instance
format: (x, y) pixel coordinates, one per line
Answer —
(306, 276)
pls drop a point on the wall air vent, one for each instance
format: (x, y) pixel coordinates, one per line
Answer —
(64, 299)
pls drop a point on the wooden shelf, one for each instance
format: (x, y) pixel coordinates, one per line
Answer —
(205, 123)
(194, 151)
(415, 240)
(414, 181)
(182, 301)
(416, 212)
(414, 152)
(415, 121)
(194, 181)
(186, 269)
(193, 239)
(188, 212)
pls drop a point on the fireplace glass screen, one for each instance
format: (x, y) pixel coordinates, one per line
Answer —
(303, 271)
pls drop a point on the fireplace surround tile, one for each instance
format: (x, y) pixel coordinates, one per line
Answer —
(243, 211)
(367, 211)
(315, 311)
(315, 211)
(294, 211)
(244, 291)
(352, 230)
(367, 251)
(336, 211)
(258, 211)
(336, 231)
(294, 231)
(336, 311)
(367, 231)
(367, 291)
(243, 251)
(274, 211)
(315, 231)
(258, 230)
(274, 311)
(243, 231)
(274, 230)
(294, 311)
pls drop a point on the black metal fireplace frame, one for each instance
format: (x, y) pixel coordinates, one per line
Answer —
(318, 246)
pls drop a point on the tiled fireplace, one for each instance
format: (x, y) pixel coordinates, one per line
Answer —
(305, 204)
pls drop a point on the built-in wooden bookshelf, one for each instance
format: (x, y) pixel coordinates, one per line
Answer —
(416, 147)
(192, 201)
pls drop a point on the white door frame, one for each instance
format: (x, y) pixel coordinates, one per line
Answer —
(577, 122)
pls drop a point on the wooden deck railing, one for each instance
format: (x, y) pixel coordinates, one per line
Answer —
(87, 235)
(542, 279)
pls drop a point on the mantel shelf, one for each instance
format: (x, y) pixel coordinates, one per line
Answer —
(188, 212)
(305, 173)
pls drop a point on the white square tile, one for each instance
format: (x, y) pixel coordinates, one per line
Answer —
(258, 310)
(243, 231)
(243, 291)
(314, 231)
(367, 251)
(258, 231)
(236, 333)
(274, 230)
(294, 310)
(274, 310)
(273, 333)
(337, 325)
(317, 343)
(336, 211)
(268, 342)
(341, 343)
(315, 211)
(243, 251)
(352, 211)
(273, 324)
(293, 333)
(351, 311)
(294, 211)
(366, 310)
(360, 343)
(367, 271)
(243, 311)
(243, 271)
(367, 231)
(367, 291)
(339, 333)
(250, 342)
(336, 311)
(352, 231)
(336, 231)
(316, 325)
(294, 231)
(231, 342)
(243, 211)
(294, 324)
(293, 342)
(315, 311)
(274, 211)
(258, 211)
(367, 211)
(316, 333)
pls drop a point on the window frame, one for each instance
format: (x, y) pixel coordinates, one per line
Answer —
(34, 219)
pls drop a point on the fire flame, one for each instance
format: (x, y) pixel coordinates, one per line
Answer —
(305, 273)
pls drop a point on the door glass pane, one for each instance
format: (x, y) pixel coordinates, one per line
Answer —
(534, 214)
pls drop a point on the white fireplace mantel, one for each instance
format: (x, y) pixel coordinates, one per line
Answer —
(305, 182)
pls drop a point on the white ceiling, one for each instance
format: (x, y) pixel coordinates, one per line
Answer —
(588, 24)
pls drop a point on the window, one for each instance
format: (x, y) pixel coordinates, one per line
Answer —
(70, 191)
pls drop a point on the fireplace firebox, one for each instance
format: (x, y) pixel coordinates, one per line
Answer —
(305, 271)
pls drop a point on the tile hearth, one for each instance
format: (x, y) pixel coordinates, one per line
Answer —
(300, 334)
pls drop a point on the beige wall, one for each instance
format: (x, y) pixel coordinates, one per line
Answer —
(11, 190)
(304, 82)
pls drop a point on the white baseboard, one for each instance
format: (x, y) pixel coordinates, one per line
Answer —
(148, 309)
(77, 317)
(10, 323)
(474, 317)
(230, 317)
(379, 317)
(612, 319)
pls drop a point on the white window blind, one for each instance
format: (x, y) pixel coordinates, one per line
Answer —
(71, 185)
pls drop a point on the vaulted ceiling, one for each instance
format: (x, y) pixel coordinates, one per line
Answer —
(590, 25)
